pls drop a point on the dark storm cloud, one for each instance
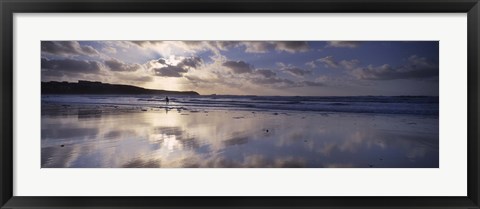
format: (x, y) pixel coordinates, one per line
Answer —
(238, 67)
(66, 48)
(194, 43)
(292, 46)
(265, 73)
(415, 68)
(71, 65)
(170, 71)
(139, 43)
(178, 69)
(192, 62)
(162, 61)
(185, 62)
(117, 65)
(344, 44)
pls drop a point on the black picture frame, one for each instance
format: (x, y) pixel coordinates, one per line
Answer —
(9, 7)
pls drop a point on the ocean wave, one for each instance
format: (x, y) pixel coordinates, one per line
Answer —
(365, 104)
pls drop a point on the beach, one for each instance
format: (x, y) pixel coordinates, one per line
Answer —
(151, 134)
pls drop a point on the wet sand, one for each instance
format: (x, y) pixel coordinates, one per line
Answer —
(116, 136)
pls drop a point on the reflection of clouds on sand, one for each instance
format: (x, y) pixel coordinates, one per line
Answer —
(261, 161)
(225, 139)
(59, 158)
(416, 152)
(141, 163)
(327, 148)
(170, 142)
(290, 162)
(339, 165)
(236, 141)
(250, 161)
(69, 133)
(356, 139)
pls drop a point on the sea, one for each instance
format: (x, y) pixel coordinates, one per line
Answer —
(404, 105)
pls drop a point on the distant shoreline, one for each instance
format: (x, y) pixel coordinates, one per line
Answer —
(94, 87)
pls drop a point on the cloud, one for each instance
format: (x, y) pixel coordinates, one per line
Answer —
(88, 50)
(330, 62)
(117, 65)
(183, 62)
(285, 83)
(250, 46)
(349, 64)
(192, 62)
(67, 48)
(162, 61)
(312, 83)
(238, 67)
(224, 45)
(266, 46)
(296, 71)
(194, 43)
(258, 46)
(293, 70)
(265, 73)
(344, 44)
(175, 66)
(209, 78)
(245, 74)
(291, 46)
(145, 43)
(416, 67)
(170, 71)
(166, 48)
(71, 65)
(109, 49)
(273, 80)
(311, 64)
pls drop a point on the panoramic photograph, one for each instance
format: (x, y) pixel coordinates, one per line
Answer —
(239, 104)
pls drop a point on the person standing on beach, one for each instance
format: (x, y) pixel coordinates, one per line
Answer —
(167, 100)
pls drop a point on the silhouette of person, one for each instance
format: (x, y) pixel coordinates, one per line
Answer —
(167, 100)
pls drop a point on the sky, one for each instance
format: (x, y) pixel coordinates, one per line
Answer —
(283, 68)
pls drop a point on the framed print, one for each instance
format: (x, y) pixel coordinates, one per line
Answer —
(265, 104)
